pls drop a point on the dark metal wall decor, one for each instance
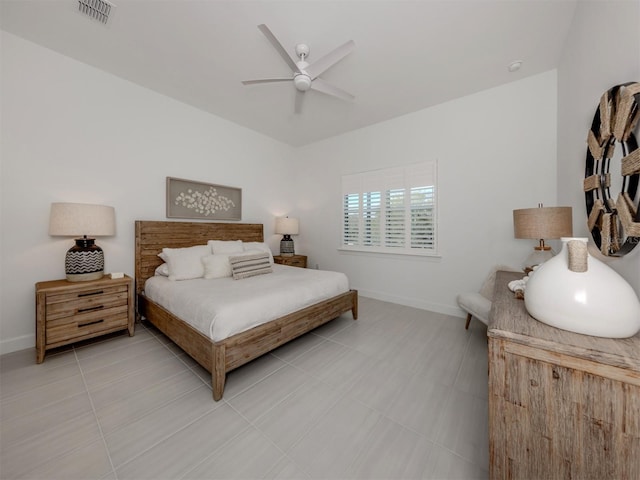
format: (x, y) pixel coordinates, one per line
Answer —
(613, 170)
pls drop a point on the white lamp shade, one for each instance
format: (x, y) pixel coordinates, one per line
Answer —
(286, 226)
(77, 219)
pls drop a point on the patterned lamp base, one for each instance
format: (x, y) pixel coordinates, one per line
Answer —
(84, 261)
(286, 246)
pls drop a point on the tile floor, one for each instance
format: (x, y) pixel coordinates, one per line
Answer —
(399, 393)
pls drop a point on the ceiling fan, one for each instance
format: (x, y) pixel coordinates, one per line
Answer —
(306, 75)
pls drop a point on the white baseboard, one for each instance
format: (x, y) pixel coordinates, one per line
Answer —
(416, 303)
(17, 343)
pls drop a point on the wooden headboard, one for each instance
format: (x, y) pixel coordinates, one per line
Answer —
(153, 236)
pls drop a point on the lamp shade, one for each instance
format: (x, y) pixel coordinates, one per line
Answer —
(543, 223)
(85, 260)
(77, 219)
(286, 226)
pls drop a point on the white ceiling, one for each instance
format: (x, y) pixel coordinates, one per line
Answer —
(409, 55)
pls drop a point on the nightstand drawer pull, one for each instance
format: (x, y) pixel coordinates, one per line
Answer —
(99, 292)
(90, 309)
(90, 323)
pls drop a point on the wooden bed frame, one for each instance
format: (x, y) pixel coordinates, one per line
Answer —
(225, 355)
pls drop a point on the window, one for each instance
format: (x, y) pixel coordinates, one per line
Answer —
(391, 210)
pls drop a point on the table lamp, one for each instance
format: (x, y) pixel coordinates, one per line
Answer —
(539, 224)
(85, 260)
(286, 226)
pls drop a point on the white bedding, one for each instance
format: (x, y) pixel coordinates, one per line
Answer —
(222, 307)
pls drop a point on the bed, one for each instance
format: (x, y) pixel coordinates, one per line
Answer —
(221, 356)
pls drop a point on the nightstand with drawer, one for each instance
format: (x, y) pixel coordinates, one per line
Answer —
(292, 261)
(68, 312)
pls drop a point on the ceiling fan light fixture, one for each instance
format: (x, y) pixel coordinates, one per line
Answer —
(302, 81)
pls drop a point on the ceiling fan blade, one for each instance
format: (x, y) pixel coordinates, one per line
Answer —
(324, 87)
(298, 102)
(323, 64)
(266, 80)
(278, 46)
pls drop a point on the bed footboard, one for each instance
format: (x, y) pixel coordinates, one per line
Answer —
(239, 349)
(221, 357)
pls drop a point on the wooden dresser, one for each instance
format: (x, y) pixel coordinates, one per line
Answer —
(561, 405)
(68, 312)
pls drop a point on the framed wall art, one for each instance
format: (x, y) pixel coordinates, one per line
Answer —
(198, 200)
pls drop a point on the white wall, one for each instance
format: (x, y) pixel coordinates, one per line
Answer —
(602, 50)
(73, 133)
(496, 152)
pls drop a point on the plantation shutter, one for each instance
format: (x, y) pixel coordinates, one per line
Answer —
(391, 210)
(351, 210)
(421, 180)
(395, 196)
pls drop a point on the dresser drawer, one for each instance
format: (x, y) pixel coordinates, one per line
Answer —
(296, 262)
(85, 325)
(293, 261)
(59, 306)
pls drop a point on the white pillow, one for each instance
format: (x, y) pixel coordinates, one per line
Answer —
(245, 266)
(225, 246)
(216, 266)
(185, 263)
(259, 246)
(163, 270)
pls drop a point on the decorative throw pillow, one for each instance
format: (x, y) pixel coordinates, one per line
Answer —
(216, 266)
(261, 247)
(245, 266)
(163, 270)
(185, 263)
(225, 247)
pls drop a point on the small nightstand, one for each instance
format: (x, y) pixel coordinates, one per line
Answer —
(67, 312)
(293, 261)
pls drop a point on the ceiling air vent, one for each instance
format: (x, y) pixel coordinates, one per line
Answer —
(97, 9)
